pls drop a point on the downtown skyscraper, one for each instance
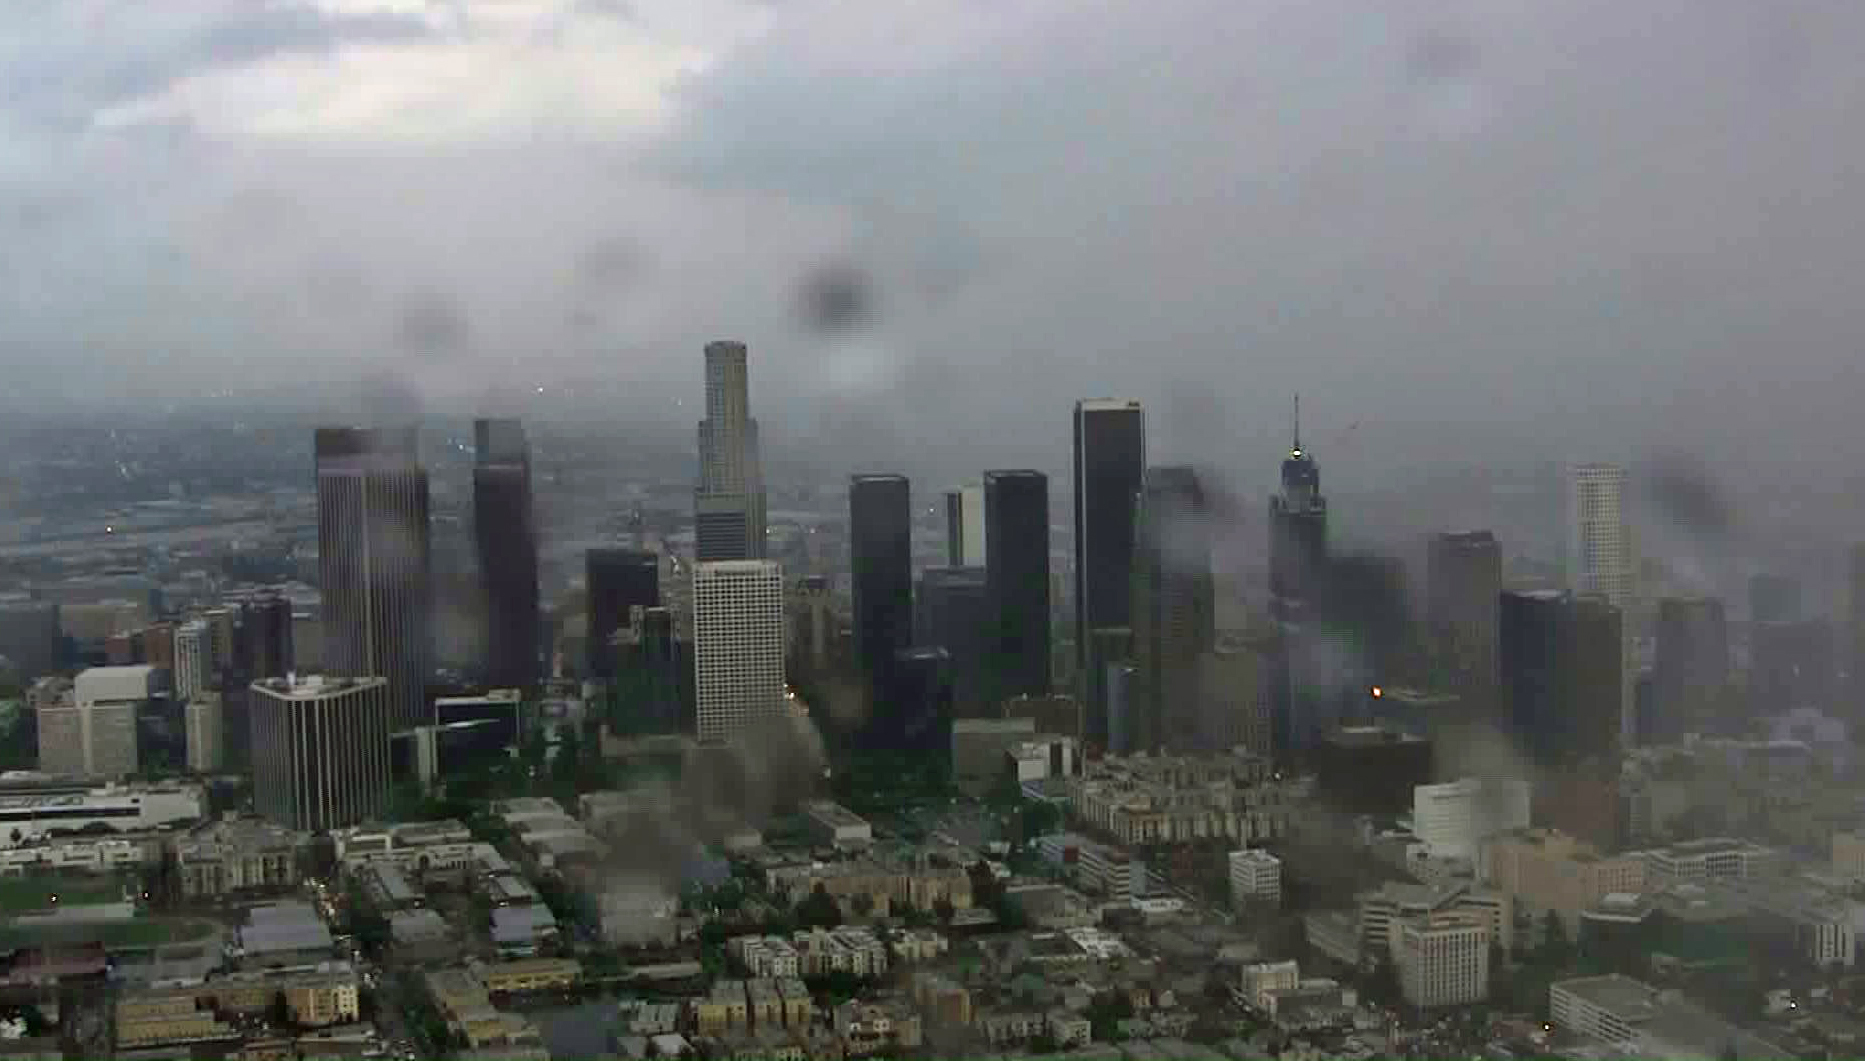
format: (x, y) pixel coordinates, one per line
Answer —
(738, 646)
(617, 581)
(1173, 612)
(728, 505)
(880, 545)
(1463, 588)
(1110, 464)
(1600, 558)
(505, 539)
(1304, 702)
(1016, 531)
(373, 562)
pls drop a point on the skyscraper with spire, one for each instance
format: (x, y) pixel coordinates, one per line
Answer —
(728, 506)
(1298, 525)
(1305, 703)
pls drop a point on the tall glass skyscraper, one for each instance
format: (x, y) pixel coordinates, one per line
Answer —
(728, 506)
(1016, 531)
(373, 562)
(880, 528)
(505, 538)
(1110, 462)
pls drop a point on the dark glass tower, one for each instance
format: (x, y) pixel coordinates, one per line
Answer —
(373, 562)
(617, 580)
(1691, 671)
(1298, 527)
(505, 534)
(1306, 701)
(1173, 622)
(880, 545)
(1463, 589)
(954, 613)
(1561, 660)
(1016, 547)
(1110, 461)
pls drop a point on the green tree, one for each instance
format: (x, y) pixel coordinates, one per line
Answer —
(818, 910)
(944, 910)
(280, 1012)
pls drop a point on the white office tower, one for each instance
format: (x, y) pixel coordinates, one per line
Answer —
(1599, 549)
(738, 645)
(1255, 879)
(1453, 819)
(1442, 958)
(194, 653)
(964, 526)
(728, 506)
(320, 750)
(93, 732)
(1600, 558)
(205, 719)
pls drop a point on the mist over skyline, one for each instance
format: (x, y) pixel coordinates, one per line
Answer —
(1482, 232)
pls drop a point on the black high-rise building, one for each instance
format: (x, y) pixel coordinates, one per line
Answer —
(919, 700)
(505, 534)
(1368, 603)
(1691, 671)
(1307, 696)
(880, 546)
(373, 562)
(616, 580)
(1298, 527)
(1110, 463)
(1172, 613)
(1791, 664)
(265, 647)
(1463, 590)
(953, 612)
(1561, 658)
(1016, 547)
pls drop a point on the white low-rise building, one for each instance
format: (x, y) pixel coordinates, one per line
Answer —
(27, 817)
(1255, 878)
(831, 823)
(1443, 958)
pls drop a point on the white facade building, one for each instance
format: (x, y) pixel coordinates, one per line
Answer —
(194, 656)
(738, 645)
(1600, 556)
(1453, 819)
(205, 718)
(24, 817)
(320, 750)
(1255, 877)
(94, 731)
(1442, 959)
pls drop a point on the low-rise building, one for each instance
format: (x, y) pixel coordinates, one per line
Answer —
(766, 956)
(848, 949)
(1255, 878)
(1634, 1020)
(387, 889)
(530, 974)
(1547, 871)
(944, 1002)
(799, 1009)
(637, 914)
(916, 945)
(867, 1028)
(724, 1009)
(834, 825)
(237, 855)
(421, 936)
(1715, 859)
(1257, 980)
(520, 931)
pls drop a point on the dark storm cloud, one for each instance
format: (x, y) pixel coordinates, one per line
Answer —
(431, 324)
(1589, 229)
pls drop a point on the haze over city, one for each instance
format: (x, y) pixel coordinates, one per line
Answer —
(1230, 530)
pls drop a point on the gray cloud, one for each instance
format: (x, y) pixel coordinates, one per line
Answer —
(1480, 229)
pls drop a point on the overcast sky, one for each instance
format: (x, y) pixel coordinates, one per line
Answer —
(1592, 227)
